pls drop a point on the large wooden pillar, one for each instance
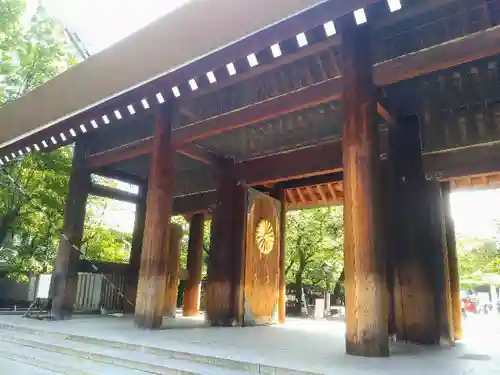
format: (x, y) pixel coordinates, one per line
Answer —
(194, 265)
(153, 271)
(365, 263)
(136, 248)
(64, 276)
(456, 303)
(224, 295)
(419, 259)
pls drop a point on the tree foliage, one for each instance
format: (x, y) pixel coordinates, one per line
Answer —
(101, 243)
(314, 248)
(33, 50)
(477, 258)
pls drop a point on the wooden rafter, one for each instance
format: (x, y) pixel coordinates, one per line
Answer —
(304, 200)
(301, 195)
(332, 191)
(446, 55)
(312, 195)
(321, 192)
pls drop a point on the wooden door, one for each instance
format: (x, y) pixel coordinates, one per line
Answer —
(261, 261)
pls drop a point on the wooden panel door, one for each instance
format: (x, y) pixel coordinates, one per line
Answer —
(261, 261)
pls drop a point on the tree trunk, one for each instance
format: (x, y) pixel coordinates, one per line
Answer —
(337, 290)
(7, 222)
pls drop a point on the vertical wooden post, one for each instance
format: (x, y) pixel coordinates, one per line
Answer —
(438, 262)
(224, 295)
(279, 194)
(456, 303)
(389, 242)
(418, 234)
(413, 298)
(153, 270)
(139, 226)
(194, 265)
(365, 277)
(173, 264)
(64, 276)
(136, 248)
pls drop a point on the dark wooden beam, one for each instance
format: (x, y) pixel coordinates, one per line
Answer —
(459, 51)
(313, 181)
(118, 175)
(295, 101)
(199, 153)
(467, 161)
(386, 115)
(116, 194)
(308, 166)
(143, 147)
(115, 155)
(191, 204)
(297, 164)
(410, 9)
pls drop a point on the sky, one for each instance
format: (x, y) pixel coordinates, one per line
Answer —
(101, 23)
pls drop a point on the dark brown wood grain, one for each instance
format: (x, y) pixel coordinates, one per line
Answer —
(365, 264)
(224, 298)
(153, 270)
(194, 265)
(436, 241)
(418, 259)
(64, 277)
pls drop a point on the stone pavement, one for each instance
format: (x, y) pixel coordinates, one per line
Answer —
(15, 368)
(306, 345)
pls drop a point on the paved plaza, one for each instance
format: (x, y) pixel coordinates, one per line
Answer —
(305, 345)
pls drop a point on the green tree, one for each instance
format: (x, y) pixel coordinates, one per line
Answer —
(314, 247)
(477, 257)
(101, 243)
(32, 51)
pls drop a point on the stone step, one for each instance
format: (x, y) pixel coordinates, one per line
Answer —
(58, 363)
(225, 363)
(123, 357)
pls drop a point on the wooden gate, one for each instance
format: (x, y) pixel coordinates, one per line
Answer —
(261, 261)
